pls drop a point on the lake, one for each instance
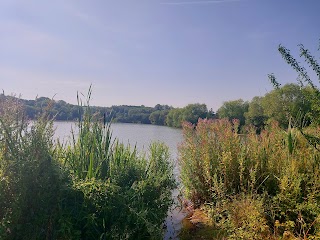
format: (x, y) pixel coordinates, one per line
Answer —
(142, 135)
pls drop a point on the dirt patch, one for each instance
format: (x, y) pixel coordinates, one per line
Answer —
(197, 225)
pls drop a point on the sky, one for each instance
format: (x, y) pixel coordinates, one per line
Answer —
(145, 52)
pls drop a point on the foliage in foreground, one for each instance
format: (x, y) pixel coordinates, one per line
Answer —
(253, 185)
(308, 88)
(90, 189)
(30, 180)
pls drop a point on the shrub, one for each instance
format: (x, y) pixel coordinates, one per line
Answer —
(247, 219)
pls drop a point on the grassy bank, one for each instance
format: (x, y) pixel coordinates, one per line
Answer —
(263, 186)
(92, 188)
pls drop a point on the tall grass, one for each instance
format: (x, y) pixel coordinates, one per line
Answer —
(131, 193)
(30, 179)
(92, 188)
(276, 172)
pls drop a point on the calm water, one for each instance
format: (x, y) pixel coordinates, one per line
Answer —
(142, 135)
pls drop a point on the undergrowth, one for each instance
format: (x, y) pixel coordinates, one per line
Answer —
(89, 188)
(263, 186)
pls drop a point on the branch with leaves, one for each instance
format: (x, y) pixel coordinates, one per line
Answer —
(308, 87)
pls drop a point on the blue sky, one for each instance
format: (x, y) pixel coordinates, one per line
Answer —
(144, 52)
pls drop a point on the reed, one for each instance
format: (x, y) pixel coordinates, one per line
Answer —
(30, 177)
(91, 188)
(278, 170)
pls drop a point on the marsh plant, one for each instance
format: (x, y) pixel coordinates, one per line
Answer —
(90, 188)
(254, 186)
(30, 179)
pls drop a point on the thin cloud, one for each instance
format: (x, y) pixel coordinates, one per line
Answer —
(199, 2)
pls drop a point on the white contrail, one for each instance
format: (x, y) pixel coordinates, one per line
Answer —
(199, 2)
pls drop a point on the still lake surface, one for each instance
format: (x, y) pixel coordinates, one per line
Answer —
(141, 136)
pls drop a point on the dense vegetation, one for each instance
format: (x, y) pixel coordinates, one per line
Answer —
(265, 185)
(253, 187)
(92, 188)
(261, 184)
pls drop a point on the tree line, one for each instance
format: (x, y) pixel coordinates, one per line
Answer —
(158, 115)
(63, 111)
(275, 105)
(281, 105)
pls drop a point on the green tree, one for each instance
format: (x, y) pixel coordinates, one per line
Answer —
(175, 117)
(158, 117)
(234, 110)
(255, 115)
(281, 103)
(192, 112)
(211, 114)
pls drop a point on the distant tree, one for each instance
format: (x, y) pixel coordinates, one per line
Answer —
(192, 112)
(175, 117)
(31, 111)
(130, 114)
(234, 110)
(159, 114)
(284, 102)
(158, 107)
(158, 117)
(255, 115)
(211, 114)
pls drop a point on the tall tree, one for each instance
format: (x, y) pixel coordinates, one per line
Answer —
(255, 115)
(192, 112)
(234, 110)
(284, 102)
(174, 117)
(158, 117)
